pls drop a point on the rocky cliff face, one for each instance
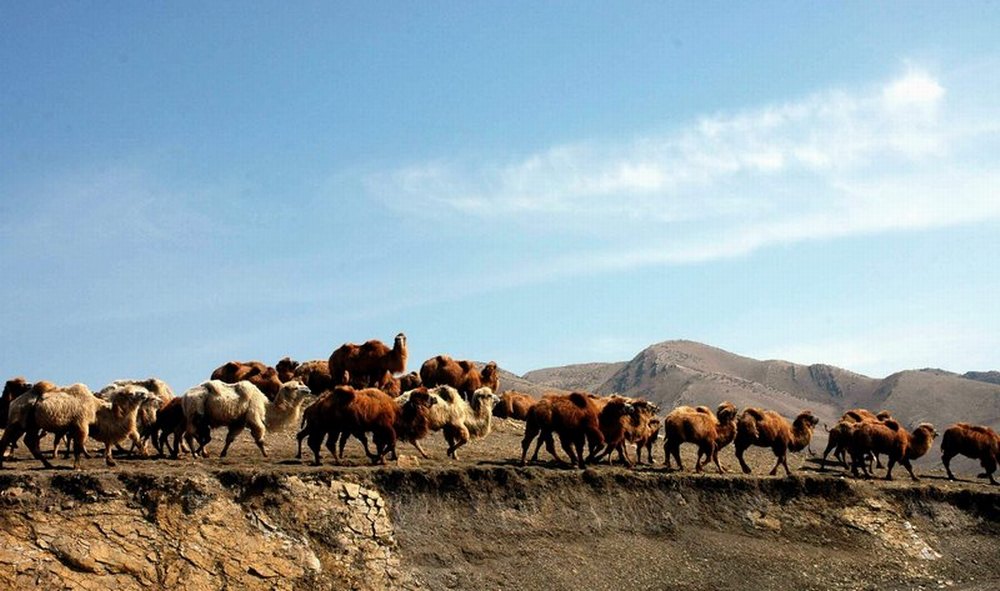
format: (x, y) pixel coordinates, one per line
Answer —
(491, 527)
(235, 530)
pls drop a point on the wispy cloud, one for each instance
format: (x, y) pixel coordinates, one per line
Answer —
(111, 208)
(887, 157)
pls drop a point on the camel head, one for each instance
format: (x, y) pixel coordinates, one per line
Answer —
(292, 392)
(483, 396)
(807, 419)
(928, 429)
(726, 412)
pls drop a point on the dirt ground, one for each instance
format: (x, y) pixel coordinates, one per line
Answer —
(485, 522)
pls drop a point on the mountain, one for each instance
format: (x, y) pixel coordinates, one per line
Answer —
(939, 397)
(584, 376)
(683, 372)
(512, 381)
(990, 377)
(673, 373)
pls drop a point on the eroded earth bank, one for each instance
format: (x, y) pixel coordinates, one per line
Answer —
(491, 527)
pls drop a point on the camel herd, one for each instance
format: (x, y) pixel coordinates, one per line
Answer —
(364, 390)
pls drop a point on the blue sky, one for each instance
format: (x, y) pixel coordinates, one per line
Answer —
(535, 183)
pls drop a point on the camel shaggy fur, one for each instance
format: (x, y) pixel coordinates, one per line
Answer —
(47, 408)
(410, 381)
(257, 373)
(971, 441)
(461, 375)
(11, 390)
(237, 406)
(513, 405)
(116, 416)
(890, 438)
(461, 421)
(709, 431)
(368, 362)
(840, 435)
(646, 429)
(617, 420)
(169, 421)
(574, 417)
(347, 411)
(286, 368)
(160, 394)
(315, 374)
(766, 428)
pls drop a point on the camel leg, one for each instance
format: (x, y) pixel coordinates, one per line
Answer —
(388, 445)
(449, 438)
(774, 470)
(623, 451)
(946, 460)
(739, 456)
(830, 446)
(79, 446)
(31, 442)
(862, 461)
(530, 432)
(578, 446)
(841, 454)
(138, 443)
(453, 450)
(300, 436)
(234, 430)
(424, 455)
(909, 468)
(10, 436)
(550, 446)
(331, 442)
(568, 448)
(705, 451)
(314, 441)
(107, 456)
(343, 443)
(888, 472)
(781, 452)
(258, 431)
(459, 438)
(715, 458)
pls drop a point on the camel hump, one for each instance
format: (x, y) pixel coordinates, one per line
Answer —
(892, 424)
(466, 365)
(755, 413)
(214, 387)
(578, 399)
(448, 394)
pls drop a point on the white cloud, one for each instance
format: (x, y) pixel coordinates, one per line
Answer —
(833, 164)
(915, 88)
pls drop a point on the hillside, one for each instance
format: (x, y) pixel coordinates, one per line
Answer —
(685, 372)
(587, 377)
(991, 377)
(939, 397)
